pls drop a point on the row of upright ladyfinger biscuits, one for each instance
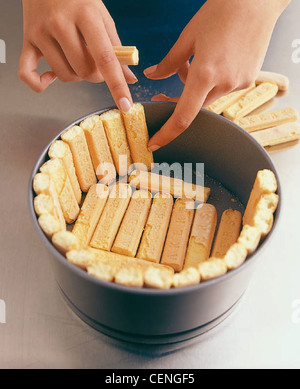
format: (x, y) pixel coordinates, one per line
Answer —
(230, 249)
(268, 128)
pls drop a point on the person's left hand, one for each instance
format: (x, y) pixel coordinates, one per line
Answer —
(228, 41)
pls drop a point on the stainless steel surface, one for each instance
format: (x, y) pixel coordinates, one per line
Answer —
(40, 331)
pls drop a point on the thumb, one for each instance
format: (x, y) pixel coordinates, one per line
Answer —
(179, 54)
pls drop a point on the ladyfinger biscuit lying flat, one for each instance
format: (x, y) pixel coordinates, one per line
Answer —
(159, 183)
(187, 277)
(42, 184)
(268, 119)
(220, 105)
(90, 213)
(130, 276)
(57, 172)
(99, 149)
(178, 235)
(202, 235)
(132, 226)
(65, 241)
(212, 268)
(252, 100)
(282, 81)
(43, 204)
(117, 140)
(249, 238)
(155, 232)
(60, 149)
(263, 215)
(228, 232)
(49, 224)
(138, 137)
(111, 217)
(278, 135)
(265, 183)
(158, 278)
(82, 160)
(102, 271)
(127, 55)
(235, 256)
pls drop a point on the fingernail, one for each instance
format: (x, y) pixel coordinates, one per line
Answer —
(124, 105)
(53, 80)
(133, 80)
(150, 70)
(153, 148)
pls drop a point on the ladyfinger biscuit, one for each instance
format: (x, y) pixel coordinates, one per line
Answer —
(83, 164)
(252, 100)
(60, 149)
(265, 183)
(221, 104)
(43, 204)
(49, 224)
(117, 140)
(268, 119)
(132, 226)
(90, 213)
(130, 276)
(127, 55)
(249, 238)
(65, 241)
(102, 271)
(202, 235)
(122, 260)
(42, 184)
(278, 135)
(212, 268)
(187, 277)
(178, 235)
(159, 183)
(235, 256)
(158, 278)
(155, 232)
(138, 137)
(81, 258)
(99, 149)
(228, 232)
(111, 217)
(56, 170)
(263, 215)
(282, 81)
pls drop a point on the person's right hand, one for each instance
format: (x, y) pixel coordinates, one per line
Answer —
(76, 39)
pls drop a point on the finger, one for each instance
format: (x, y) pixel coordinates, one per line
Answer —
(173, 61)
(194, 94)
(115, 41)
(164, 98)
(183, 71)
(57, 60)
(106, 60)
(28, 70)
(76, 53)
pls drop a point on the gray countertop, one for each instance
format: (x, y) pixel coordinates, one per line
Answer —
(40, 331)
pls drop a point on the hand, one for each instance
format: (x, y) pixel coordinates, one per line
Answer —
(229, 41)
(76, 39)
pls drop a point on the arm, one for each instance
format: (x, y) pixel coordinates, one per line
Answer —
(76, 39)
(229, 41)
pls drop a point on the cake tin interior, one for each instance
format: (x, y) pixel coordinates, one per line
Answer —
(156, 115)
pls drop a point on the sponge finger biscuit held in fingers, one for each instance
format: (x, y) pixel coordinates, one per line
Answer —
(83, 164)
(99, 149)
